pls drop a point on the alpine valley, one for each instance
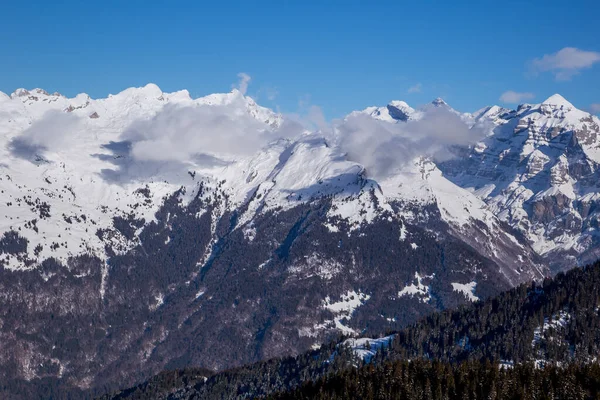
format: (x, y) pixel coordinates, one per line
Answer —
(134, 241)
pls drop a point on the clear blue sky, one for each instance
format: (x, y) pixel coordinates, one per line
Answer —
(340, 55)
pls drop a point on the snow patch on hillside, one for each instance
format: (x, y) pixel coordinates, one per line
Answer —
(557, 322)
(366, 348)
(344, 308)
(468, 289)
(419, 290)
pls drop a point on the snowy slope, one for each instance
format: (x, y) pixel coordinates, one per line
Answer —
(538, 171)
(78, 175)
(63, 169)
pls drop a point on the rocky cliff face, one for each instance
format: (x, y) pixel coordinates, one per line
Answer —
(538, 170)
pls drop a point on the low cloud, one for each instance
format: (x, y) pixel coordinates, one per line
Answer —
(512, 97)
(243, 82)
(51, 133)
(179, 138)
(415, 89)
(182, 137)
(182, 133)
(565, 63)
(215, 135)
(383, 148)
(595, 108)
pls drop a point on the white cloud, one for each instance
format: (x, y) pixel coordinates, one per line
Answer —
(415, 89)
(51, 133)
(512, 97)
(382, 147)
(565, 63)
(595, 108)
(244, 82)
(183, 133)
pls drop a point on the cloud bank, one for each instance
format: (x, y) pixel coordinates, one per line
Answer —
(383, 147)
(565, 63)
(184, 133)
(180, 138)
(215, 135)
(51, 133)
(512, 97)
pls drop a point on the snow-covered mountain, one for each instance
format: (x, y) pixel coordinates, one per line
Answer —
(395, 111)
(62, 181)
(147, 220)
(65, 183)
(537, 169)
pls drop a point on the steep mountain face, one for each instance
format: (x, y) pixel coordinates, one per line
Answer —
(553, 326)
(149, 230)
(538, 171)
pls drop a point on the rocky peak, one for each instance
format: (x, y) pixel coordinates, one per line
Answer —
(400, 110)
(439, 102)
(21, 92)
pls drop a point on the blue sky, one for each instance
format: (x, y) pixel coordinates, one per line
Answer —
(339, 55)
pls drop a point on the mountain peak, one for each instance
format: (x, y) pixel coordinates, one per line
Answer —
(399, 104)
(439, 102)
(400, 110)
(558, 100)
(20, 92)
(149, 91)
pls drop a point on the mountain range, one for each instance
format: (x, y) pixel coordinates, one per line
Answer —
(150, 231)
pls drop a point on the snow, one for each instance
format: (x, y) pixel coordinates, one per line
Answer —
(419, 290)
(344, 308)
(69, 178)
(423, 183)
(383, 113)
(348, 303)
(160, 300)
(366, 348)
(506, 364)
(316, 265)
(558, 100)
(468, 289)
(557, 322)
(529, 154)
(403, 232)
(287, 172)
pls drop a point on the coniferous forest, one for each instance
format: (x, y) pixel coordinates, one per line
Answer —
(538, 341)
(467, 380)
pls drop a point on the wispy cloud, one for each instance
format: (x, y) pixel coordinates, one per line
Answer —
(272, 93)
(269, 92)
(512, 97)
(565, 63)
(595, 108)
(415, 89)
(243, 82)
